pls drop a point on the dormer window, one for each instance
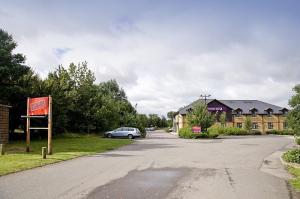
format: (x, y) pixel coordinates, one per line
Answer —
(239, 112)
(189, 110)
(253, 112)
(269, 112)
(284, 111)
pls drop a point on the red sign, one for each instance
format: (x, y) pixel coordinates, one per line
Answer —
(39, 106)
(196, 129)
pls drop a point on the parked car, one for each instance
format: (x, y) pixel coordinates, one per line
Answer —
(129, 132)
(150, 129)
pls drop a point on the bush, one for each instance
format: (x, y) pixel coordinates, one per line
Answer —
(292, 156)
(297, 140)
(186, 132)
(215, 131)
(235, 131)
(281, 132)
(143, 132)
(255, 132)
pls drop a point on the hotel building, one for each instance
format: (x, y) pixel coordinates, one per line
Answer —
(264, 116)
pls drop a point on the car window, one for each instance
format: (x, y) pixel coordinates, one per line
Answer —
(130, 129)
(124, 129)
(119, 129)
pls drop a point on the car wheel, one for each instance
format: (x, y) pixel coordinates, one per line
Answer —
(109, 135)
(130, 136)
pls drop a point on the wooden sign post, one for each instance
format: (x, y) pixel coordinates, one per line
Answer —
(27, 127)
(50, 127)
(40, 107)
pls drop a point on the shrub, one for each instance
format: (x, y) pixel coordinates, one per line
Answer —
(255, 132)
(186, 132)
(297, 140)
(292, 156)
(214, 132)
(235, 131)
(281, 132)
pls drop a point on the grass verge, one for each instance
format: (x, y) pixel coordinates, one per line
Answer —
(295, 182)
(64, 148)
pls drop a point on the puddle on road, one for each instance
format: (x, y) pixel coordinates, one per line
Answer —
(146, 184)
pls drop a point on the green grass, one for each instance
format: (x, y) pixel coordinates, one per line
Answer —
(64, 148)
(295, 182)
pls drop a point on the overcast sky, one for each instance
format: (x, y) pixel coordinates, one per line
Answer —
(166, 53)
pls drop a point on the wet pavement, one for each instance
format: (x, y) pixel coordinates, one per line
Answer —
(147, 184)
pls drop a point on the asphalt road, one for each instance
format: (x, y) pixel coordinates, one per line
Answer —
(164, 166)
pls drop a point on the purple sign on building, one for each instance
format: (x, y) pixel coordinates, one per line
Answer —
(215, 106)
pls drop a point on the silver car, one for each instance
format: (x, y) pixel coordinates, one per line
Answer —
(129, 132)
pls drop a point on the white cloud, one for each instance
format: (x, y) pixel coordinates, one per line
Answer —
(165, 60)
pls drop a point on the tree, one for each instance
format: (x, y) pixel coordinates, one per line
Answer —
(293, 117)
(248, 124)
(17, 81)
(200, 116)
(223, 119)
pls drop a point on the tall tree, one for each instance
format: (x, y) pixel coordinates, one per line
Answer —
(223, 119)
(248, 124)
(200, 116)
(17, 81)
(293, 118)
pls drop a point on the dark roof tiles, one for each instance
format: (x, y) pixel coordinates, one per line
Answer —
(245, 105)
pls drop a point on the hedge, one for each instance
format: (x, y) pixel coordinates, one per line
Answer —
(281, 132)
(292, 156)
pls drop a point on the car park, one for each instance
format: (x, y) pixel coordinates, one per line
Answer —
(129, 132)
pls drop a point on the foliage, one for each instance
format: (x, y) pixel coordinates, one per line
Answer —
(213, 132)
(200, 116)
(248, 124)
(186, 132)
(223, 119)
(292, 156)
(17, 81)
(255, 132)
(293, 118)
(170, 116)
(281, 132)
(227, 131)
(66, 147)
(295, 182)
(297, 140)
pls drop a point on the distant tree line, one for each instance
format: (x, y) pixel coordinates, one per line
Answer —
(79, 103)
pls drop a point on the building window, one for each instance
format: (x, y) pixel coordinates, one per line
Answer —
(254, 125)
(238, 113)
(285, 125)
(270, 125)
(270, 113)
(284, 113)
(254, 114)
(239, 125)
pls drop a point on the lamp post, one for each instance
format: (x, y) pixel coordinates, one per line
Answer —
(205, 96)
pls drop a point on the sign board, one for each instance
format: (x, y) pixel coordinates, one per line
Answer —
(39, 106)
(196, 129)
(214, 108)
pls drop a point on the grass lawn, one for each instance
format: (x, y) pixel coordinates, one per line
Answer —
(295, 182)
(64, 148)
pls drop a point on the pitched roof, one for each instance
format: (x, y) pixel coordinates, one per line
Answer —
(185, 109)
(245, 105)
(248, 105)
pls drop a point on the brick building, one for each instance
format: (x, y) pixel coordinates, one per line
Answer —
(4, 123)
(264, 116)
